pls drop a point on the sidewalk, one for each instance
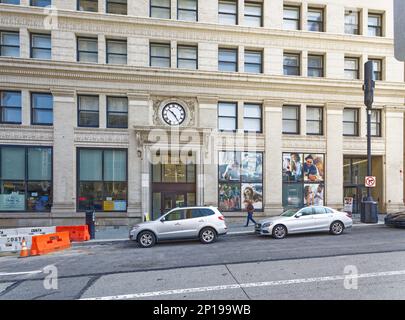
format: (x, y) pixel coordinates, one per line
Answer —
(235, 227)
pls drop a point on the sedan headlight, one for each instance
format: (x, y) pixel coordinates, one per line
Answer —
(267, 224)
(135, 227)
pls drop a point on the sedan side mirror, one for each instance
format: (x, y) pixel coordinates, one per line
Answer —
(163, 219)
(298, 215)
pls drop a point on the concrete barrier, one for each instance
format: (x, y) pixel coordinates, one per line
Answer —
(13, 243)
(10, 239)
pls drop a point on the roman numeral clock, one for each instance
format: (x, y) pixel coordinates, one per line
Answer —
(173, 114)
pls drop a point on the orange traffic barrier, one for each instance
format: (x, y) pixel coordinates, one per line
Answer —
(76, 233)
(47, 243)
(24, 250)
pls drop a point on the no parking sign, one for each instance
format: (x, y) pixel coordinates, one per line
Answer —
(370, 182)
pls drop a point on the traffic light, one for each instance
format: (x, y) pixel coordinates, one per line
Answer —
(369, 84)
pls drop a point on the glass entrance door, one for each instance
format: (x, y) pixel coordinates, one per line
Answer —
(172, 200)
(357, 193)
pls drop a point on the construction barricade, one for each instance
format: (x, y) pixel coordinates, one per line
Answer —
(48, 243)
(76, 233)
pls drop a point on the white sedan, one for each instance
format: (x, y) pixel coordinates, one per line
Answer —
(308, 219)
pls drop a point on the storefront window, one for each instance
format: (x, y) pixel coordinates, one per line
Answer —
(303, 179)
(240, 180)
(26, 179)
(102, 179)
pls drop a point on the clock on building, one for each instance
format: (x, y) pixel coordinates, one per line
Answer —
(173, 114)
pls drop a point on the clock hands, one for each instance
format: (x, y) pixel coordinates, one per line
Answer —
(174, 115)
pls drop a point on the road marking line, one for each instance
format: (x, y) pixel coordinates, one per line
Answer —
(248, 285)
(20, 273)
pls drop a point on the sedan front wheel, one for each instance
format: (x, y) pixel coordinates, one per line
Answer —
(279, 231)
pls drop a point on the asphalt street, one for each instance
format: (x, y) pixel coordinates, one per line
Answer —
(314, 266)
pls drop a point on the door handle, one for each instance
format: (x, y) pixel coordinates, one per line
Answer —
(200, 220)
(177, 224)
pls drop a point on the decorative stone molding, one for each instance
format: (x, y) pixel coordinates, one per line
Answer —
(37, 135)
(101, 136)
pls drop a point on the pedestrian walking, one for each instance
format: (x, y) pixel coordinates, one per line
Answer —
(250, 209)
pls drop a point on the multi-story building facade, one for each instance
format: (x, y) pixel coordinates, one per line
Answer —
(263, 99)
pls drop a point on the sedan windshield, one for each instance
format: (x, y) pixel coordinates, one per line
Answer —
(289, 212)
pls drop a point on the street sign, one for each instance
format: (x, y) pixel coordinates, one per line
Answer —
(370, 182)
(399, 29)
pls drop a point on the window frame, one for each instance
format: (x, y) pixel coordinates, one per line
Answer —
(188, 10)
(78, 5)
(32, 48)
(108, 2)
(78, 51)
(15, 4)
(357, 59)
(187, 59)
(380, 72)
(254, 4)
(236, 14)
(10, 46)
(298, 119)
(321, 23)
(356, 122)
(2, 107)
(234, 50)
(378, 28)
(253, 118)
(322, 68)
(46, 109)
(228, 117)
(258, 52)
(108, 54)
(151, 6)
(377, 123)
(89, 111)
(33, 5)
(108, 112)
(151, 44)
(299, 67)
(321, 122)
(78, 181)
(297, 8)
(358, 26)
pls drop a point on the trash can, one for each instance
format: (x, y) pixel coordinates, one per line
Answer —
(369, 212)
(91, 222)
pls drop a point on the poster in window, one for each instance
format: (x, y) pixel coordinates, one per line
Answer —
(313, 168)
(292, 167)
(252, 167)
(12, 202)
(292, 195)
(229, 196)
(314, 194)
(252, 193)
(229, 166)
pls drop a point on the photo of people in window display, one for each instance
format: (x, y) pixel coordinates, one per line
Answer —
(306, 171)
(240, 180)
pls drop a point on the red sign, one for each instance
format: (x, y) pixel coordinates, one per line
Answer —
(370, 182)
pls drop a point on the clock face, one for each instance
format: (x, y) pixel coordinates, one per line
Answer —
(173, 114)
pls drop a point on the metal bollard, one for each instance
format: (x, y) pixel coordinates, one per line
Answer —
(91, 222)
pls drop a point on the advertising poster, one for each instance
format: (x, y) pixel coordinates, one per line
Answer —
(314, 194)
(12, 202)
(252, 167)
(229, 196)
(313, 168)
(253, 193)
(292, 167)
(229, 166)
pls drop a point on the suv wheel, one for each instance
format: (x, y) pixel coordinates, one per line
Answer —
(208, 235)
(146, 239)
(337, 228)
(279, 231)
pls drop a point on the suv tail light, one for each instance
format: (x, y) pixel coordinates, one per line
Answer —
(221, 218)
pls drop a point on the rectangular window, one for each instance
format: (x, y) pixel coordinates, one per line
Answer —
(376, 123)
(315, 121)
(187, 57)
(240, 180)
(377, 66)
(228, 59)
(41, 47)
(88, 107)
(102, 179)
(160, 9)
(187, 10)
(87, 50)
(9, 44)
(253, 61)
(350, 122)
(25, 179)
(252, 117)
(315, 19)
(352, 22)
(228, 12)
(315, 66)
(10, 107)
(117, 112)
(352, 68)
(291, 18)
(253, 14)
(227, 116)
(291, 119)
(41, 3)
(87, 5)
(291, 64)
(375, 25)
(41, 108)
(10, 1)
(117, 7)
(116, 51)
(160, 55)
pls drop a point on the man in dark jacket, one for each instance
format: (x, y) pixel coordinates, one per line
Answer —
(250, 209)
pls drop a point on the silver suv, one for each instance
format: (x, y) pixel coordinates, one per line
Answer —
(204, 223)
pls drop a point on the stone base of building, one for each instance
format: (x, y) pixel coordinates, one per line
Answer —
(395, 207)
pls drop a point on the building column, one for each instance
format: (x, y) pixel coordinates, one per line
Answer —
(102, 110)
(241, 12)
(64, 155)
(272, 171)
(173, 54)
(24, 43)
(102, 49)
(138, 115)
(394, 161)
(334, 155)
